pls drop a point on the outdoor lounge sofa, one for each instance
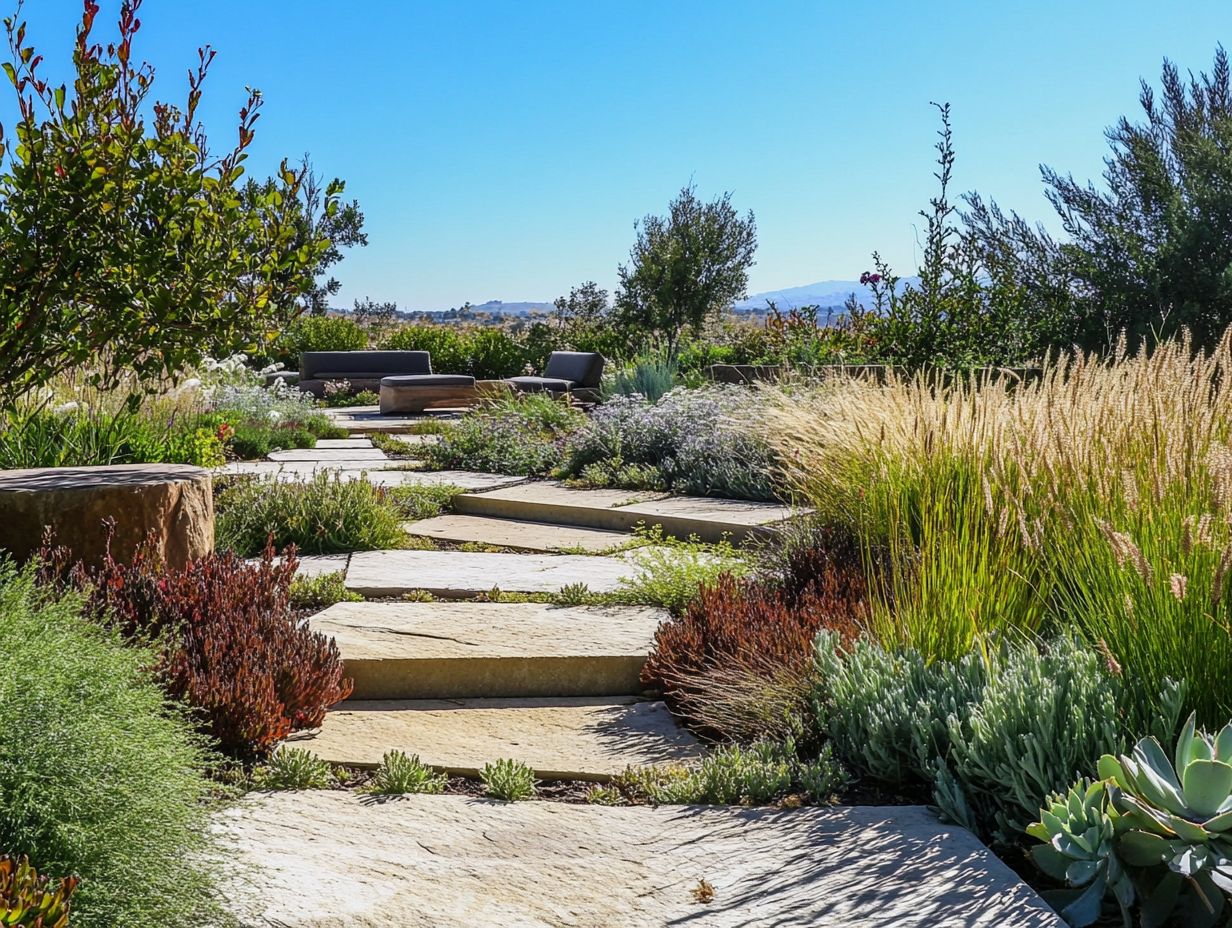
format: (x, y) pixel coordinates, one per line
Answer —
(363, 370)
(577, 372)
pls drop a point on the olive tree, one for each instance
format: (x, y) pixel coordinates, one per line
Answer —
(125, 243)
(686, 267)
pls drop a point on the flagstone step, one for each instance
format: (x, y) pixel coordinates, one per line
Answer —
(709, 518)
(330, 857)
(461, 650)
(386, 473)
(462, 574)
(370, 419)
(324, 443)
(329, 455)
(517, 533)
(560, 738)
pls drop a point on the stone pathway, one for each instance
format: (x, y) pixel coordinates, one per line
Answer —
(311, 860)
(462, 684)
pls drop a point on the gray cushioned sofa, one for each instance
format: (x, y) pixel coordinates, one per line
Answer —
(576, 372)
(362, 369)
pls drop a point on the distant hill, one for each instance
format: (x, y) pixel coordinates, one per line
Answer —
(828, 294)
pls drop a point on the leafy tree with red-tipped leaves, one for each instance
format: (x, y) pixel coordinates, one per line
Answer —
(125, 243)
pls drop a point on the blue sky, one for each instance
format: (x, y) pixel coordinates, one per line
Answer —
(504, 149)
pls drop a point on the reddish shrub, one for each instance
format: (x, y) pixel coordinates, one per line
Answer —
(756, 629)
(231, 647)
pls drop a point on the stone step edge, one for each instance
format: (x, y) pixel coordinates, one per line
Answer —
(519, 677)
(612, 518)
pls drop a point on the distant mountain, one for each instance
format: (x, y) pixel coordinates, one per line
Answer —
(828, 294)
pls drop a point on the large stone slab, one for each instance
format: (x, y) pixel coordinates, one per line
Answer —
(463, 479)
(330, 859)
(463, 574)
(116, 509)
(561, 738)
(457, 650)
(330, 443)
(346, 455)
(709, 518)
(550, 501)
(370, 419)
(303, 470)
(387, 473)
(517, 533)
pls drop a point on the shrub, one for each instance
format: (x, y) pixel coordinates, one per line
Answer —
(698, 441)
(320, 333)
(423, 502)
(650, 377)
(231, 648)
(991, 735)
(670, 572)
(325, 515)
(293, 768)
(99, 778)
(738, 656)
(400, 774)
(520, 435)
(321, 591)
(447, 344)
(28, 900)
(510, 780)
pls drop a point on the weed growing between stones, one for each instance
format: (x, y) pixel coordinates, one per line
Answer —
(400, 774)
(758, 774)
(293, 768)
(510, 780)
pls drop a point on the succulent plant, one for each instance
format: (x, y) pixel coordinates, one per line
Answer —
(1080, 832)
(28, 900)
(1178, 813)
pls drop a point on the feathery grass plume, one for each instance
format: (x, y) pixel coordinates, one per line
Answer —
(1067, 501)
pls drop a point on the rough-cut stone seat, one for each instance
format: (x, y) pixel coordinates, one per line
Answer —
(362, 369)
(417, 392)
(171, 504)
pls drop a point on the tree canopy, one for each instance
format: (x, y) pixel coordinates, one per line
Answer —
(686, 267)
(124, 242)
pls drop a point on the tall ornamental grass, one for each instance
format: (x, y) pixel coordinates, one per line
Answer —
(1096, 497)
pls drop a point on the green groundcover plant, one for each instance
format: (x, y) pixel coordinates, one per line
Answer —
(99, 777)
(326, 515)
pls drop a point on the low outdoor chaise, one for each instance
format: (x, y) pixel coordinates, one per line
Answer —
(576, 372)
(363, 370)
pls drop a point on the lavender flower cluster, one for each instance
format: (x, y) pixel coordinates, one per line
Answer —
(698, 441)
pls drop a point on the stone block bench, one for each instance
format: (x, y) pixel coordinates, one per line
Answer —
(419, 392)
(171, 504)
